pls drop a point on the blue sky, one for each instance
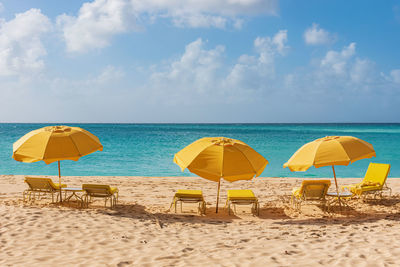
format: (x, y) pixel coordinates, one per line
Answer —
(199, 61)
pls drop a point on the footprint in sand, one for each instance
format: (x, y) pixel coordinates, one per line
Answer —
(124, 263)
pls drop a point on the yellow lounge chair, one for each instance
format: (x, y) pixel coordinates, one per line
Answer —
(310, 191)
(189, 196)
(374, 181)
(102, 191)
(41, 186)
(242, 197)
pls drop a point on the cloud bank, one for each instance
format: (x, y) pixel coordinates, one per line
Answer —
(98, 21)
(200, 83)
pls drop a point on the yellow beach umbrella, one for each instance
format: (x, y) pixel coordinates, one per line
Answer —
(214, 158)
(330, 151)
(55, 143)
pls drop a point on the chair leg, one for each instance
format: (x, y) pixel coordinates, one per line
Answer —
(172, 203)
(176, 200)
(86, 203)
(229, 208)
(258, 208)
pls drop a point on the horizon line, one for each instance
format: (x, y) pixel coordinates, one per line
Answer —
(227, 123)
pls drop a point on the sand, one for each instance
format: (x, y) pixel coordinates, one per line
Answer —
(141, 231)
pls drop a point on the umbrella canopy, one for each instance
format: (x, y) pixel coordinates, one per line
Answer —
(330, 151)
(55, 143)
(214, 158)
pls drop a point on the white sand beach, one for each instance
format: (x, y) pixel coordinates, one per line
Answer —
(141, 231)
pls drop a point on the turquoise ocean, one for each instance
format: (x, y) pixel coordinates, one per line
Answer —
(148, 149)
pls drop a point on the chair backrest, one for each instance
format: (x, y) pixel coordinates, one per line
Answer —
(314, 189)
(42, 184)
(376, 173)
(97, 190)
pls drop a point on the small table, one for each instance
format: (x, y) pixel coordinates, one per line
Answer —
(74, 190)
(342, 195)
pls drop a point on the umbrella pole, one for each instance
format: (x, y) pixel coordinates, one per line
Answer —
(59, 179)
(219, 184)
(337, 188)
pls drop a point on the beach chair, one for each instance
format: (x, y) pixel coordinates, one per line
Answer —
(41, 186)
(242, 197)
(374, 182)
(100, 191)
(189, 196)
(311, 191)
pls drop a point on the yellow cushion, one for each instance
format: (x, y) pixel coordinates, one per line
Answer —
(37, 183)
(241, 194)
(113, 190)
(182, 193)
(57, 185)
(374, 179)
(313, 187)
(358, 189)
(99, 189)
(377, 173)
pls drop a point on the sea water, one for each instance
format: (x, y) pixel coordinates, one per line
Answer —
(148, 149)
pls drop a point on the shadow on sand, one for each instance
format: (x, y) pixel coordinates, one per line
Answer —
(138, 212)
(357, 212)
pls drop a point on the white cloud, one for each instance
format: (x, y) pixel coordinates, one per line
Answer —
(98, 21)
(395, 74)
(252, 73)
(222, 7)
(317, 36)
(269, 47)
(207, 13)
(362, 71)
(21, 48)
(194, 74)
(201, 75)
(196, 20)
(340, 76)
(95, 24)
(336, 62)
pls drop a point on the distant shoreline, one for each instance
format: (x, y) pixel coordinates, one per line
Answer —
(175, 177)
